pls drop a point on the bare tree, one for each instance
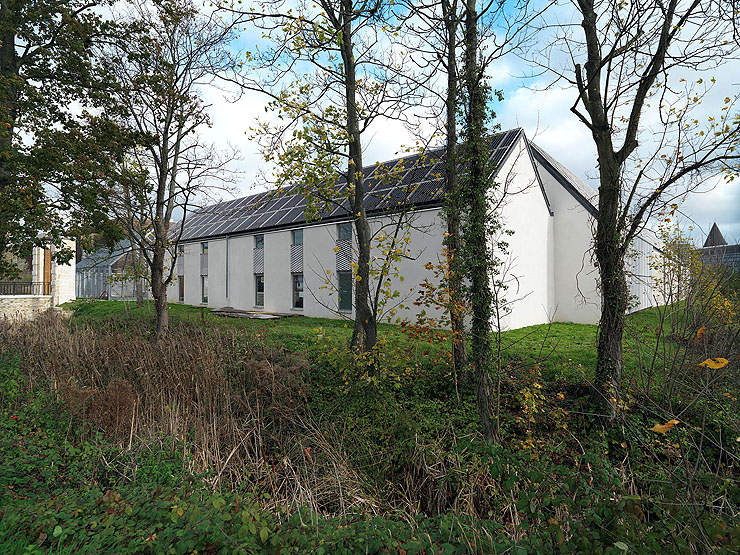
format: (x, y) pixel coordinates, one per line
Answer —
(434, 34)
(160, 72)
(441, 35)
(641, 70)
(327, 76)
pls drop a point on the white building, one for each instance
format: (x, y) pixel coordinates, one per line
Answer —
(259, 253)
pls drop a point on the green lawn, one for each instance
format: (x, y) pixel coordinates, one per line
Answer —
(563, 350)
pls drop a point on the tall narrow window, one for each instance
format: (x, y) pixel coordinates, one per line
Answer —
(344, 231)
(227, 267)
(344, 286)
(204, 289)
(343, 247)
(181, 273)
(204, 259)
(259, 241)
(296, 257)
(259, 290)
(297, 290)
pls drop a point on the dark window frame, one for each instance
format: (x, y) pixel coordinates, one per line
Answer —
(297, 290)
(344, 303)
(257, 291)
(204, 289)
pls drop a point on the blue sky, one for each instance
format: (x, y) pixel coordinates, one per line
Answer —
(542, 111)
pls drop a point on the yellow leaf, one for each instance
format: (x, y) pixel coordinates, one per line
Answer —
(715, 363)
(663, 428)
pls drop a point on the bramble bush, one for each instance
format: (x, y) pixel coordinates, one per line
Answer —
(259, 452)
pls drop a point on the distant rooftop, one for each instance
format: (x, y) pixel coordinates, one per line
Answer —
(715, 238)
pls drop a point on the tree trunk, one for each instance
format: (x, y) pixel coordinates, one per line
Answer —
(139, 290)
(138, 282)
(452, 240)
(610, 261)
(159, 291)
(364, 333)
(476, 240)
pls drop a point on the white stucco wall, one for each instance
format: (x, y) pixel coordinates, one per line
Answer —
(576, 294)
(529, 262)
(641, 272)
(549, 269)
(63, 278)
(319, 241)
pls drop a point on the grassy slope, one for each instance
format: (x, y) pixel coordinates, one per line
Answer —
(563, 350)
(422, 409)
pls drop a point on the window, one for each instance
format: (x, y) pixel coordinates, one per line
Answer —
(204, 289)
(259, 290)
(344, 231)
(297, 290)
(259, 241)
(297, 237)
(204, 259)
(180, 273)
(345, 291)
(226, 270)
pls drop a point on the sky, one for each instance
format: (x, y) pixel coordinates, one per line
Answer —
(544, 114)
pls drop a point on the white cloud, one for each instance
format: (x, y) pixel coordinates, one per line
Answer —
(546, 118)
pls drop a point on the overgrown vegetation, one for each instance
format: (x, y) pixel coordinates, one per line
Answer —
(261, 437)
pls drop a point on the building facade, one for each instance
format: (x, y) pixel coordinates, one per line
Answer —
(259, 253)
(109, 273)
(717, 252)
(42, 285)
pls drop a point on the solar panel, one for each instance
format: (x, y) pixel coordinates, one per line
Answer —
(411, 180)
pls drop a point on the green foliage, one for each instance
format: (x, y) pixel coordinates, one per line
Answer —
(11, 379)
(559, 484)
(48, 71)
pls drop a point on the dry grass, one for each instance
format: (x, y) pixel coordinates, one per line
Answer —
(234, 406)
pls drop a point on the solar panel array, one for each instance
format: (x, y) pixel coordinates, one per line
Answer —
(413, 181)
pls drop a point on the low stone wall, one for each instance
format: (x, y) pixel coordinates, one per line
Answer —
(25, 307)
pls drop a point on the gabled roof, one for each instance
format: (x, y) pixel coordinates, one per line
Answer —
(715, 238)
(418, 181)
(584, 194)
(104, 257)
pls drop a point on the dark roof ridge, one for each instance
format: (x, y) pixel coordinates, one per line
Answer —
(570, 181)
